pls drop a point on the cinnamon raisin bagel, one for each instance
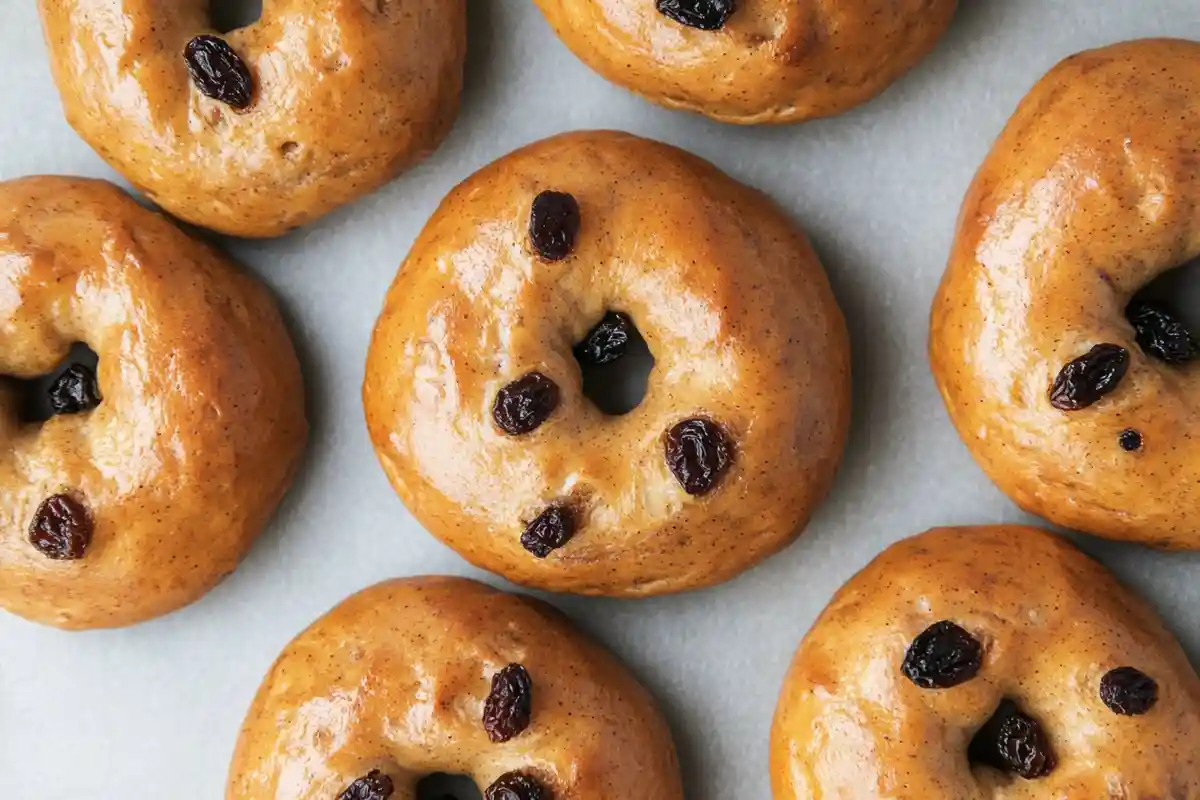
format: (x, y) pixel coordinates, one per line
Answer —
(1074, 395)
(546, 262)
(267, 127)
(444, 675)
(752, 61)
(157, 470)
(994, 663)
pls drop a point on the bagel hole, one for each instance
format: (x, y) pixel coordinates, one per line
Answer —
(1178, 291)
(441, 786)
(1012, 743)
(618, 387)
(229, 15)
(34, 393)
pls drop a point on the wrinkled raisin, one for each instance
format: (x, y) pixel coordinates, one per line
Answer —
(607, 341)
(1128, 691)
(218, 71)
(515, 786)
(942, 656)
(553, 528)
(509, 705)
(372, 786)
(523, 405)
(1089, 377)
(1012, 741)
(553, 225)
(61, 528)
(707, 15)
(1160, 333)
(1130, 440)
(75, 391)
(698, 453)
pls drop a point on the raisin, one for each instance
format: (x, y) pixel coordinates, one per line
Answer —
(942, 656)
(508, 708)
(553, 225)
(606, 342)
(523, 405)
(707, 15)
(553, 528)
(75, 391)
(372, 786)
(1012, 741)
(1160, 333)
(1128, 691)
(1088, 378)
(218, 71)
(698, 453)
(61, 528)
(515, 786)
(1130, 440)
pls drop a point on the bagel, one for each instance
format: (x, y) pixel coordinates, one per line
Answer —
(1073, 393)
(535, 266)
(265, 128)
(444, 675)
(158, 470)
(751, 61)
(987, 663)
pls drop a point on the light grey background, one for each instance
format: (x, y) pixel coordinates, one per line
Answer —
(153, 711)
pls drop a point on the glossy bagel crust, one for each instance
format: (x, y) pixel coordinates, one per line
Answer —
(734, 306)
(773, 61)
(1052, 623)
(395, 679)
(347, 94)
(201, 422)
(1088, 195)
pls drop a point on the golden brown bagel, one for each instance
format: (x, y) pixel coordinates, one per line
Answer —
(770, 61)
(343, 95)
(1088, 195)
(751, 363)
(396, 683)
(199, 427)
(1054, 634)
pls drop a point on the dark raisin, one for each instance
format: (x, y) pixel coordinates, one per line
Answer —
(1089, 377)
(1128, 691)
(553, 225)
(508, 708)
(942, 656)
(75, 391)
(1130, 440)
(607, 341)
(707, 15)
(523, 405)
(515, 786)
(218, 71)
(61, 528)
(1012, 741)
(372, 786)
(1160, 333)
(698, 453)
(553, 528)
